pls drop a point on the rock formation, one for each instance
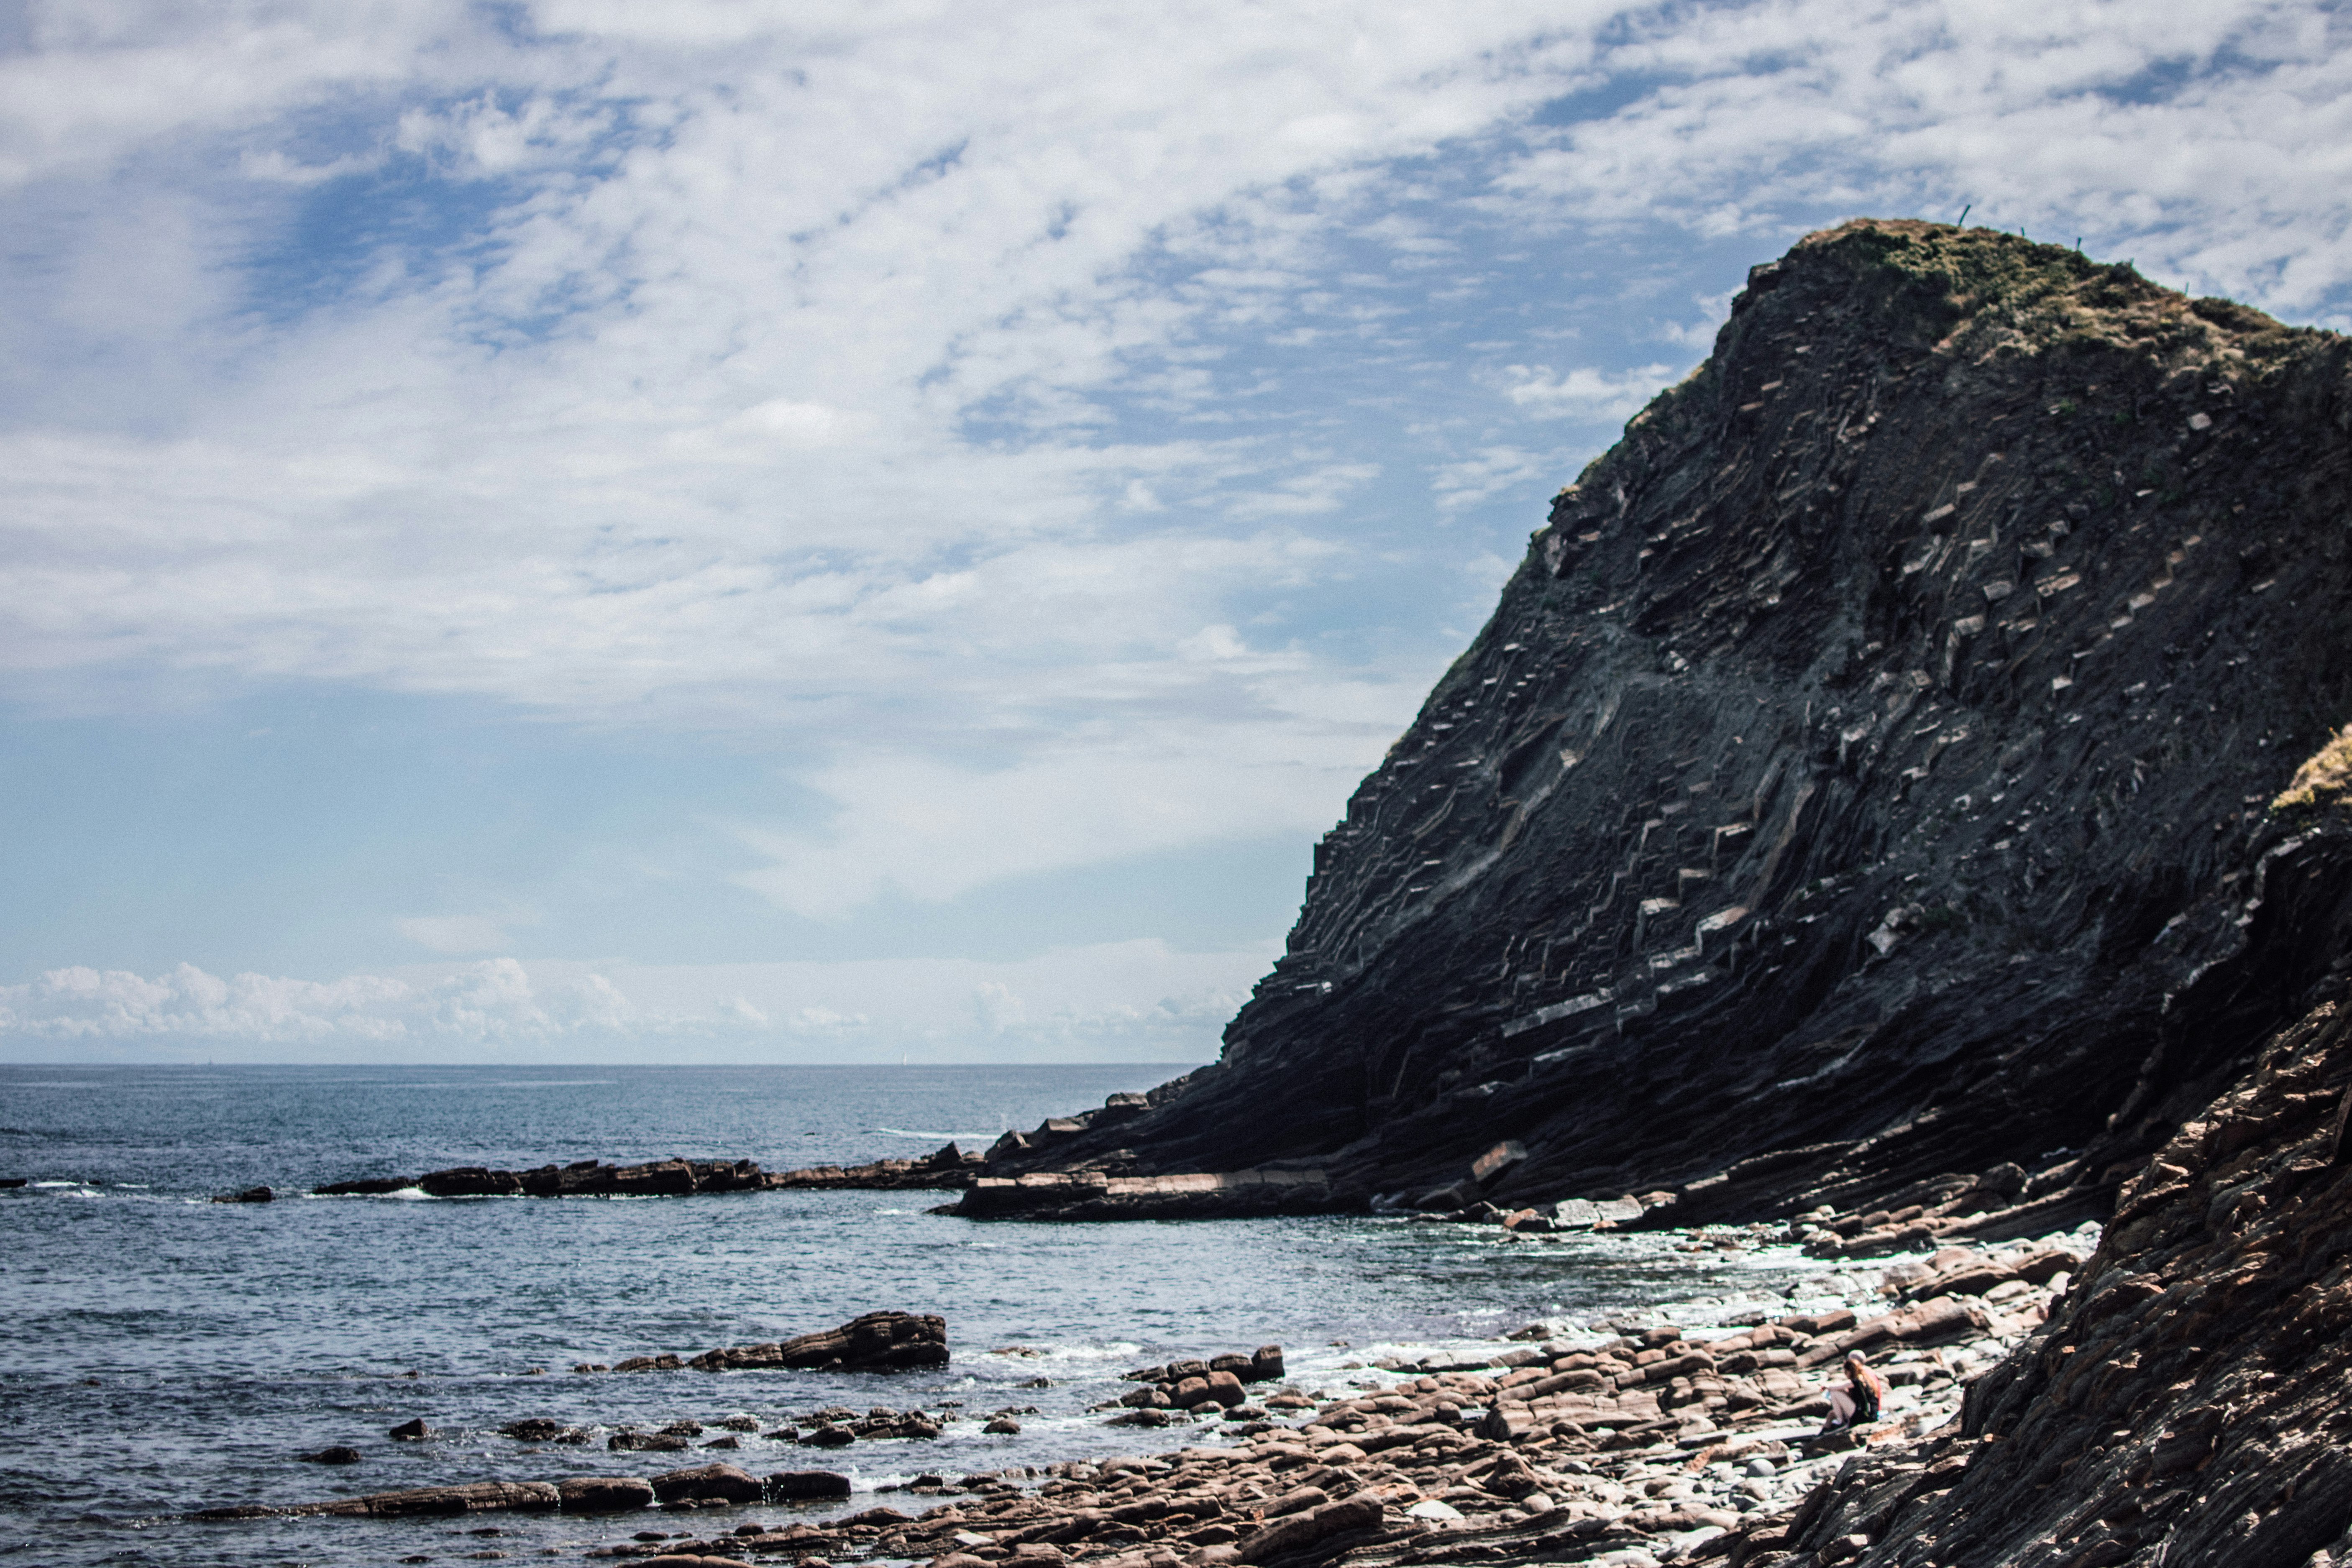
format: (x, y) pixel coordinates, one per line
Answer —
(949, 1167)
(876, 1341)
(1861, 796)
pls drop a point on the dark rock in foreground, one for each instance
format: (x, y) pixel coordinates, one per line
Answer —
(947, 1167)
(1858, 798)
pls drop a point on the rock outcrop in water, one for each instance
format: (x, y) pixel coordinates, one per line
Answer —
(874, 1342)
(949, 1167)
(1859, 801)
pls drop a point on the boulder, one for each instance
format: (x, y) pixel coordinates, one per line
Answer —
(877, 1341)
(250, 1195)
(728, 1481)
(533, 1429)
(789, 1485)
(1265, 1364)
(335, 1455)
(644, 1443)
(604, 1494)
(414, 1431)
(1226, 1389)
(1574, 1214)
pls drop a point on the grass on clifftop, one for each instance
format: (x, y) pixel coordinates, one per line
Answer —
(2039, 296)
(2323, 777)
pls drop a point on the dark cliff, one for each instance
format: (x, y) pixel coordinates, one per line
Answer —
(1865, 777)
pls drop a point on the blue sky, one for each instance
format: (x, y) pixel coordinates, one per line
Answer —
(733, 531)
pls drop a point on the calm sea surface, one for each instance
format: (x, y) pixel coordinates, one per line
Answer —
(165, 1353)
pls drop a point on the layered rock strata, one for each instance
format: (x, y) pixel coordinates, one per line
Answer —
(1859, 799)
(2186, 1403)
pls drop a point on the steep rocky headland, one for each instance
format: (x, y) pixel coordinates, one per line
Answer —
(1861, 796)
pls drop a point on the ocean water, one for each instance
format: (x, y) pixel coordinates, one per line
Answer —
(165, 1353)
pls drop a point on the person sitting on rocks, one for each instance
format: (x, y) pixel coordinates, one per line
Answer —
(1856, 1404)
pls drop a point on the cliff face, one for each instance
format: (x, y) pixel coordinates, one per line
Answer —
(1863, 777)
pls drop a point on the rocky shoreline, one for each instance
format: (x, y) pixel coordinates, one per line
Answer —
(1623, 1442)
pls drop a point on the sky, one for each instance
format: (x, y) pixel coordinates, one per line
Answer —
(573, 530)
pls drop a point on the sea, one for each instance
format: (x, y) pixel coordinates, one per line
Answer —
(165, 1353)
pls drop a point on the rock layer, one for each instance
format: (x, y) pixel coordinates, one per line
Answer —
(1861, 783)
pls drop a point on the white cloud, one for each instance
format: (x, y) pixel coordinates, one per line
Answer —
(903, 379)
(2190, 137)
(462, 933)
(1490, 472)
(1583, 393)
(482, 1003)
(931, 830)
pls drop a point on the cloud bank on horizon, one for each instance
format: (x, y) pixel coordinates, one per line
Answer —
(869, 511)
